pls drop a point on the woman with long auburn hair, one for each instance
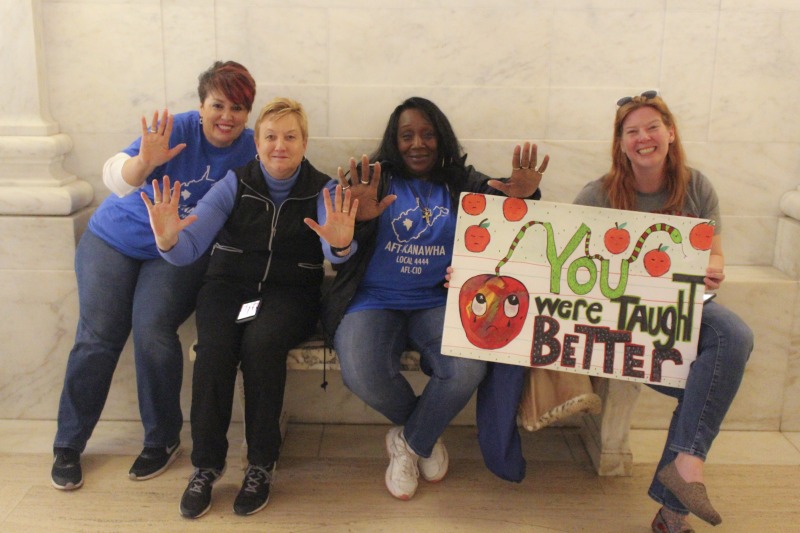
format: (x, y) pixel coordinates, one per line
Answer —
(649, 173)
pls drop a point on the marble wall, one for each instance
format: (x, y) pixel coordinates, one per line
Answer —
(503, 70)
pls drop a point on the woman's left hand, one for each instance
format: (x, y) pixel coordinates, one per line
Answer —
(525, 177)
(340, 218)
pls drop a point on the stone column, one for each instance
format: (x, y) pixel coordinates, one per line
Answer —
(32, 180)
(42, 213)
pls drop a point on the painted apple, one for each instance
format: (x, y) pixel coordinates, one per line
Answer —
(514, 209)
(701, 235)
(657, 262)
(493, 309)
(477, 237)
(617, 239)
(473, 203)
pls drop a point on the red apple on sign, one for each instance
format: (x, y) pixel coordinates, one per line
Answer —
(473, 203)
(657, 261)
(701, 235)
(617, 239)
(514, 209)
(477, 237)
(492, 309)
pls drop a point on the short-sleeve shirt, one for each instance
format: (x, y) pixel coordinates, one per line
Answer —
(414, 247)
(123, 223)
(701, 199)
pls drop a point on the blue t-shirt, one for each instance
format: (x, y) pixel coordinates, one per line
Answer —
(413, 248)
(123, 222)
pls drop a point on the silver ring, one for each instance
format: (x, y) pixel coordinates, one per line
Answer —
(364, 182)
(344, 188)
(153, 130)
(345, 211)
(516, 168)
(540, 172)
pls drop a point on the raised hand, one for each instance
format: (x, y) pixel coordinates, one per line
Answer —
(163, 211)
(340, 218)
(525, 178)
(154, 150)
(364, 188)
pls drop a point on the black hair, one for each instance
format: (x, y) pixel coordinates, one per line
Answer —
(449, 167)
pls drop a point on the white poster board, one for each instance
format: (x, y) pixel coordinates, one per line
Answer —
(603, 292)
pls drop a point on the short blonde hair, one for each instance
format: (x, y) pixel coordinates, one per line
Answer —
(280, 107)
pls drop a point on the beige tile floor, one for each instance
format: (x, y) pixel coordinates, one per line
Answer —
(330, 478)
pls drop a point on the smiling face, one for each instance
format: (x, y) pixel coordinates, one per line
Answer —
(417, 143)
(646, 139)
(223, 121)
(280, 145)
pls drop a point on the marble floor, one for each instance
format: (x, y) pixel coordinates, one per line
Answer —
(330, 478)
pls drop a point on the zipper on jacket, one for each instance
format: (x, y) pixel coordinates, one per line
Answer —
(274, 230)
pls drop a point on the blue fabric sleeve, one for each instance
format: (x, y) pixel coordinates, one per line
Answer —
(212, 213)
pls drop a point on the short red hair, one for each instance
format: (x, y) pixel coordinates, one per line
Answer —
(230, 79)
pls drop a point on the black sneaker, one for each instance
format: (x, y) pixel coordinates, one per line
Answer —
(254, 494)
(153, 461)
(66, 473)
(196, 500)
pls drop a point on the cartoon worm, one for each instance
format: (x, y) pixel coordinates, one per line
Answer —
(674, 234)
(518, 238)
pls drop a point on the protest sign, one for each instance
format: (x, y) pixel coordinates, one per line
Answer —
(603, 292)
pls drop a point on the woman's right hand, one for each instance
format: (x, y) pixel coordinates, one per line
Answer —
(447, 276)
(154, 150)
(163, 211)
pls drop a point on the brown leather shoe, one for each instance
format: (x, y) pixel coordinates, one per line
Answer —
(692, 495)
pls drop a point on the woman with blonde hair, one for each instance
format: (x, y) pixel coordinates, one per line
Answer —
(260, 296)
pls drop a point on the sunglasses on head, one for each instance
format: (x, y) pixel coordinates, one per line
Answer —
(647, 95)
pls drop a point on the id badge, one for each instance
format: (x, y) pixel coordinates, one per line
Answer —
(248, 311)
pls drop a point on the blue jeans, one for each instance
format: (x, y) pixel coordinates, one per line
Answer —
(369, 344)
(722, 352)
(117, 293)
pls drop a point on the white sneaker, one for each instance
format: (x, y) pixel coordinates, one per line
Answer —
(402, 474)
(434, 468)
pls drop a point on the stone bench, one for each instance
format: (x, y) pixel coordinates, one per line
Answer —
(761, 295)
(764, 296)
(311, 354)
(605, 435)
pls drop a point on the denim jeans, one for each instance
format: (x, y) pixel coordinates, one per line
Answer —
(369, 344)
(723, 349)
(118, 294)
